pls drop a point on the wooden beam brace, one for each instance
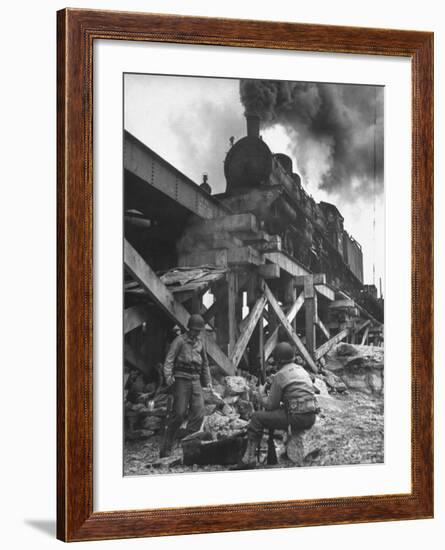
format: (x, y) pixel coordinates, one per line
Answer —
(324, 348)
(310, 310)
(365, 336)
(325, 291)
(134, 317)
(160, 294)
(231, 310)
(339, 304)
(362, 326)
(288, 328)
(243, 340)
(291, 314)
(286, 263)
(322, 327)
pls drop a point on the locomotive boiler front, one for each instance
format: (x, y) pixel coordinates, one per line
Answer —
(248, 164)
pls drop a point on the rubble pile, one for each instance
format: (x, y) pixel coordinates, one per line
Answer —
(228, 406)
(145, 412)
(349, 427)
(360, 368)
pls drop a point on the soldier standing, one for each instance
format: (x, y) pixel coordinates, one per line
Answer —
(291, 402)
(186, 372)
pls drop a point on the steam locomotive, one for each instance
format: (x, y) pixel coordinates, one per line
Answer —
(265, 184)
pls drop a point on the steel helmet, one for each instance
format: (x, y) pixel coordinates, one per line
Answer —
(283, 353)
(196, 322)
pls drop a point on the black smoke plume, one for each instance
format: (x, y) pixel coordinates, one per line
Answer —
(336, 130)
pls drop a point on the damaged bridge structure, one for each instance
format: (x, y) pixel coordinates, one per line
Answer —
(250, 261)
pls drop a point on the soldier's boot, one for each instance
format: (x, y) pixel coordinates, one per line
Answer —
(249, 459)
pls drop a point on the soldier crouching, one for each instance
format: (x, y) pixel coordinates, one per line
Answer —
(186, 371)
(291, 402)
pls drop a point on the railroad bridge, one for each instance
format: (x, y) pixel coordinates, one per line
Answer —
(186, 251)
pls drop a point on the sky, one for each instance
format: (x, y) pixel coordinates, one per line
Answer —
(332, 132)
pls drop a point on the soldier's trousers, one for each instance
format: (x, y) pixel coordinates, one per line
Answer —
(188, 398)
(278, 420)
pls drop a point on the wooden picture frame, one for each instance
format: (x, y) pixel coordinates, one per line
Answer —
(77, 31)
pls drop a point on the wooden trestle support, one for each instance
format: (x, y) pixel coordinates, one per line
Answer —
(253, 305)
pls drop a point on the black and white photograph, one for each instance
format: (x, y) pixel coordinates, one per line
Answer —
(254, 274)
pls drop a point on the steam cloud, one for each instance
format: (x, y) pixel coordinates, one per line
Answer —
(336, 130)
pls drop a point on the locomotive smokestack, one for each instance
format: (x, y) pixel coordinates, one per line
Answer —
(253, 126)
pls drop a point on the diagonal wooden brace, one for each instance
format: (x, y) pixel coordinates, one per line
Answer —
(248, 326)
(324, 348)
(322, 327)
(291, 314)
(288, 328)
(160, 294)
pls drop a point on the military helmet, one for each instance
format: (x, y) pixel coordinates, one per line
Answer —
(196, 322)
(283, 353)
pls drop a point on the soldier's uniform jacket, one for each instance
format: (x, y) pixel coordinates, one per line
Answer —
(187, 358)
(293, 387)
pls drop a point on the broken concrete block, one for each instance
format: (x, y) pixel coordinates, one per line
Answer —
(302, 445)
(365, 377)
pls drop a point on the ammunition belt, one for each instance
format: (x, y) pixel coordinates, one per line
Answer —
(188, 368)
(301, 405)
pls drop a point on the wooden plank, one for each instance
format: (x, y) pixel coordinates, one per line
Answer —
(231, 310)
(291, 314)
(289, 295)
(252, 289)
(324, 348)
(288, 328)
(325, 291)
(260, 330)
(362, 326)
(339, 304)
(310, 312)
(286, 263)
(322, 327)
(160, 294)
(243, 340)
(134, 317)
(243, 279)
(365, 336)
